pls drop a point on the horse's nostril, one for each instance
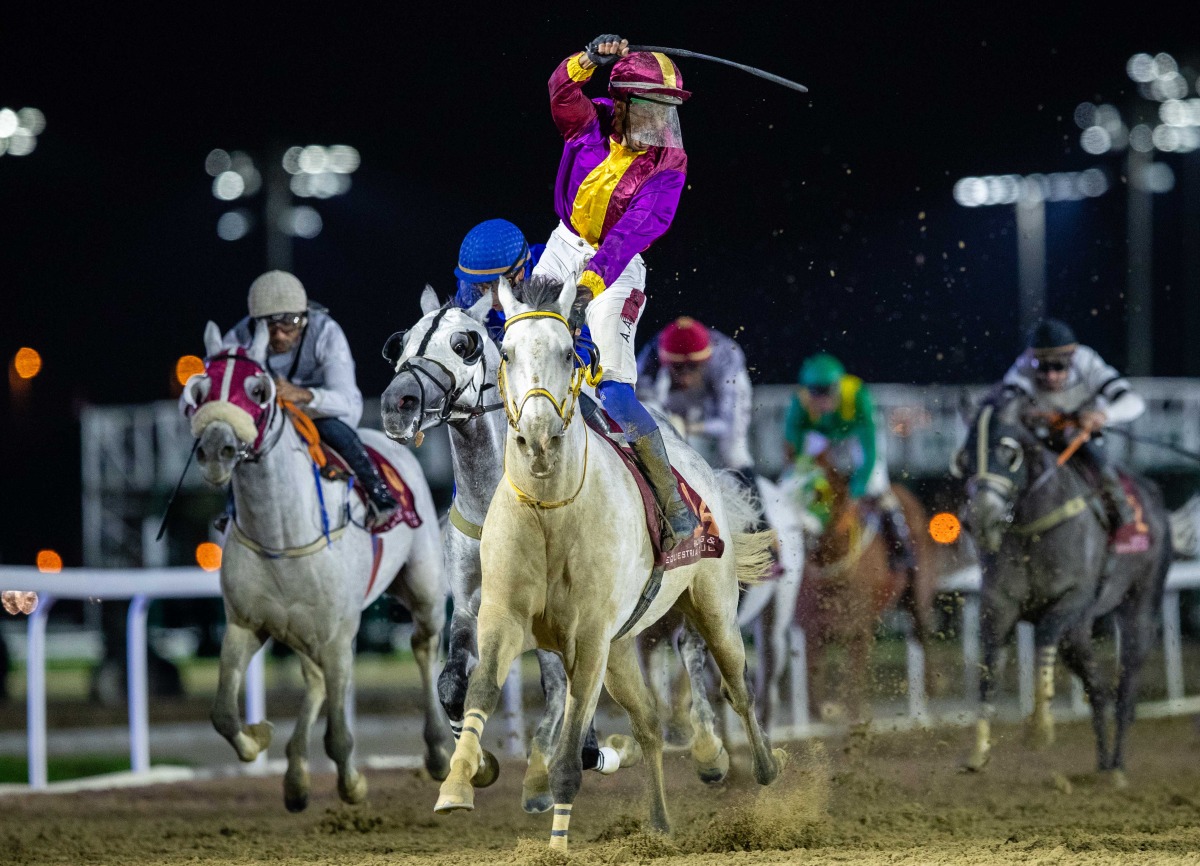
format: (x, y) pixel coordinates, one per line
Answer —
(521, 441)
(408, 402)
(228, 452)
(201, 455)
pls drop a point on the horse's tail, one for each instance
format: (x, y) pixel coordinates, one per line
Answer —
(753, 549)
(1185, 529)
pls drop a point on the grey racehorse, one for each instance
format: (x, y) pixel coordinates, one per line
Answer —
(1045, 559)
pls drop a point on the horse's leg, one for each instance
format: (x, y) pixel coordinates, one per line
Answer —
(295, 780)
(680, 727)
(998, 618)
(535, 788)
(628, 688)
(708, 752)
(337, 663)
(237, 648)
(718, 627)
(858, 662)
(584, 679)
(462, 559)
(1080, 657)
(1048, 632)
(1137, 619)
(501, 638)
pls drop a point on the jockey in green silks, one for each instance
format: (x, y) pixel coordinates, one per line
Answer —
(833, 411)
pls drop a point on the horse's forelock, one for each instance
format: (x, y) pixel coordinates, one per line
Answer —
(539, 292)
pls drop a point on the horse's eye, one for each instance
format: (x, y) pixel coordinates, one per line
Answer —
(393, 347)
(466, 345)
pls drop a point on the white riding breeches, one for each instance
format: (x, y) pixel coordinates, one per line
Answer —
(613, 316)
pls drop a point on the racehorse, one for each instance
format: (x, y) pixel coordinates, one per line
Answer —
(848, 585)
(299, 566)
(567, 559)
(446, 373)
(1046, 558)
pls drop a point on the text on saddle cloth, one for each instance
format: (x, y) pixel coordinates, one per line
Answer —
(706, 541)
(1133, 537)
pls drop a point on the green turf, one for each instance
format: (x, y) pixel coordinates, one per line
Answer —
(15, 769)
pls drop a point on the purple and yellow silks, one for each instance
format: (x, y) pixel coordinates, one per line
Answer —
(618, 200)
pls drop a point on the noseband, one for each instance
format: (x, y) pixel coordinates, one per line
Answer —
(565, 409)
(224, 367)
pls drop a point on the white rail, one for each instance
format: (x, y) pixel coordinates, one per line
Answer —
(139, 586)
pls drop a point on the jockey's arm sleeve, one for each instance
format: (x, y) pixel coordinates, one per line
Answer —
(794, 426)
(732, 424)
(1018, 377)
(1114, 395)
(649, 215)
(570, 107)
(864, 430)
(338, 396)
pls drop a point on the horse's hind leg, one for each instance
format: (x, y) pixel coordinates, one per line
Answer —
(1137, 619)
(628, 688)
(295, 780)
(337, 660)
(708, 752)
(237, 648)
(1080, 656)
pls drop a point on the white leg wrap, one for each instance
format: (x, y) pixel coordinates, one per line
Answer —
(608, 762)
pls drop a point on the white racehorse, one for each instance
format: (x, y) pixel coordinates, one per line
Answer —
(567, 557)
(298, 565)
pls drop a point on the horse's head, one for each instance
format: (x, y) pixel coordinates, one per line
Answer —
(230, 404)
(539, 382)
(994, 463)
(445, 365)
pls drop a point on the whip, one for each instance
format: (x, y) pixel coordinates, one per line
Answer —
(683, 52)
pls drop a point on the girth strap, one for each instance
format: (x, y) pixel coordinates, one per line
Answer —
(287, 552)
(1069, 509)
(466, 527)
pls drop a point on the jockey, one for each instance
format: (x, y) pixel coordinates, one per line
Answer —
(699, 374)
(833, 409)
(619, 179)
(493, 249)
(1060, 375)
(310, 359)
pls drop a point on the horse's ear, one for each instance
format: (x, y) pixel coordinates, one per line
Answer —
(479, 310)
(258, 346)
(507, 299)
(429, 301)
(566, 298)
(212, 339)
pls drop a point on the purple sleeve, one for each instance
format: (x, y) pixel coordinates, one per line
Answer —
(647, 218)
(573, 112)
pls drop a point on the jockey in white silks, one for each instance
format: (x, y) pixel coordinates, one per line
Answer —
(309, 357)
(1059, 374)
(622, 169)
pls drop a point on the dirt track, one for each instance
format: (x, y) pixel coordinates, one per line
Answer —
(861, 799)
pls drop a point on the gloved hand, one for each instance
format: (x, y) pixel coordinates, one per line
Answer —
(606, 48)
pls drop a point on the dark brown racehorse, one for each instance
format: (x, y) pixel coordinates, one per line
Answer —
(848, 586)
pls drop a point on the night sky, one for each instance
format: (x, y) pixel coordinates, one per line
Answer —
(810, 221)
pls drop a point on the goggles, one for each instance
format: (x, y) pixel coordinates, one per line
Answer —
(286, 320)
(820, 390)
(1051, 365)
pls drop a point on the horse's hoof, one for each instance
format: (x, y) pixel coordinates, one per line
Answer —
(437, 763)
(976, 762)
(261, 732)
(296, 802)
(781, 759)
(536, 802)
(295, 791)
(627, 748)
(1116, 779)
(455, 797)
(714, 773)
(355, 792)
(488, 772)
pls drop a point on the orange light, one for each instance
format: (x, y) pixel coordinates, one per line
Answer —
(49, 562)
(186, 367)
(208, 556)
(27, 363)
(944, 528)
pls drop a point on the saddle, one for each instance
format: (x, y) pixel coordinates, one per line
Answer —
(1132, 537)
(705, 543)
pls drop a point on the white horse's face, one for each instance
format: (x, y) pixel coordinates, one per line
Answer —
(443, 364)
(539, 362)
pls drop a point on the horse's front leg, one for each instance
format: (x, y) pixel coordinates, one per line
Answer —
(535, 788)
(501, 638)
(237, 648)
(296, 779)
(337, 663)
(998, 618)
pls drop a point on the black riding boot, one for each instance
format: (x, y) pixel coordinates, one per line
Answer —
(897, 537)
(345, 440)
(680, 523)
(1120, 512)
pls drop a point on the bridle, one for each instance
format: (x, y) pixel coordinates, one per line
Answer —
(263, 415)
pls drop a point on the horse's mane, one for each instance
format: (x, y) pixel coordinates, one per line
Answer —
(539, 292)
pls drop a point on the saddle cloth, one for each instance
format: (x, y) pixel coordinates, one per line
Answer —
(706, 541)
(337, 467)
(1133, 537)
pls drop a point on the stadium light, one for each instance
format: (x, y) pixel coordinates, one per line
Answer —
(1029, 194)
(19, 130)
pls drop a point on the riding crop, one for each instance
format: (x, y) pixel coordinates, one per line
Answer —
(683, 52)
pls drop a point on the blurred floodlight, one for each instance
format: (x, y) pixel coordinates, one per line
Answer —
(8, 122)
(208, 556)
(228, 185)
(1165, 65)
(186, 367)
(1108, 117)
(1091, 183)
(314, 159)
(49, 562)
(31, 120)
(217, 161)
(21, 144)
(325, 185)
(27, 362)
(291, 160)
(1062, 187)
(1096, 140)
(343, 183)
(302, 222)
(3, 146)
(1085, 115)
(343, 159)
(1189, 139)
(1166, 138)
(234, 225)
(970, 192)
(1156, 177)
(1141, 68)
(252, 179)
(1035, 188)
(301, 185)
(1141, 138)
(1005, 189)
(1170, 86)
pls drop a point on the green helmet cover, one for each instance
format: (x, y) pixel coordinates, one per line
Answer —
(821, 371)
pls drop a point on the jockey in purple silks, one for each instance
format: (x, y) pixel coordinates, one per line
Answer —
(622, 169)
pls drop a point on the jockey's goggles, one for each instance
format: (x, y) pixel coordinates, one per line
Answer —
(1051, 365)
(653, 121)
(286, 320)
(685, 365)
(819, 390)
